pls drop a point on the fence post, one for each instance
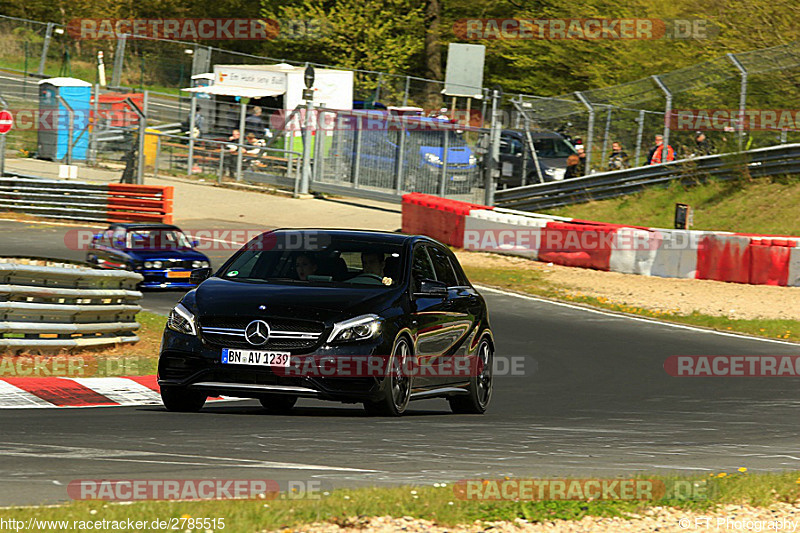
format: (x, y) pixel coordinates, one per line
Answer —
(95, 124)
(667, 115)
(221, 171)
(492, 170)
(119, 59)
(357, 162)
(48, 35)
(158, 154)
(142, 130)
(70, 126)
(605, 136)
(445, 154)
(639, 138)
(590, 130)
(306, 175)
(319, 148)
(240, 155)
(192, 118)
(405, 92)
(401, 150)
(742, 96)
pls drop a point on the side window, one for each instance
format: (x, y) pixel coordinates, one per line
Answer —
(516, 146)
(421, 268)
(444, 270)
(460, 276)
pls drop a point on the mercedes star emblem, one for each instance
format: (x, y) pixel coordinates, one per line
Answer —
(257, 332)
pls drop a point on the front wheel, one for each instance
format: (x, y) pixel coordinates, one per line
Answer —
(182, 400)
(480, 385)
(397, 386)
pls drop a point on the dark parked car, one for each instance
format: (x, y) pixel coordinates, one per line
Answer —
(292, 303)
(516, 159)
(161, 253)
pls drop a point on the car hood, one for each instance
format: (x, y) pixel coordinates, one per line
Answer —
(147, 254)
(219, 297)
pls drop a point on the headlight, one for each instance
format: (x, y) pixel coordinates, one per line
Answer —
(157, 264)
(148, 264)
(472, 159)
(356, 329)
(197, 264)
(550, 171)
(181, 320)
(433, 159)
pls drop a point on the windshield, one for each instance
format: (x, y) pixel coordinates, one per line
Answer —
(436, 138)
(553, 148)
(336, 262)
(156, 239)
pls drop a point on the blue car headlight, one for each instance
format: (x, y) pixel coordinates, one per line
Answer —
(157, 264)
(200, 264)
(181, 320)
(360, 328)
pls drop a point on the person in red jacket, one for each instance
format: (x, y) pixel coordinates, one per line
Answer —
(655, 157)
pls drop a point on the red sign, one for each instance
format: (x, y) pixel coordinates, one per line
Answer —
(6, 121)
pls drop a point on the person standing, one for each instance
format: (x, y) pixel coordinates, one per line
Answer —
(656, 155)
(618, 159)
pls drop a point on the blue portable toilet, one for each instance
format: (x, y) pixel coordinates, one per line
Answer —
(54, 118)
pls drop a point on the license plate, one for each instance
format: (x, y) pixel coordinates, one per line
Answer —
(179, 274)
(231, 356)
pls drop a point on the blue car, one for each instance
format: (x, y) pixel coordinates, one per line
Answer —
(161, 253)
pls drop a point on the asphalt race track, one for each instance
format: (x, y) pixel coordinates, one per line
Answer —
(594, 400)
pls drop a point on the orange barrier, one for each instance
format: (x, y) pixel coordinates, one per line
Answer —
(724, 258)
(577, 245)
(436, 217)
(769, 261)
(139, 203)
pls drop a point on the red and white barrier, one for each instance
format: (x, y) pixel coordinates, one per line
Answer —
(721, 256)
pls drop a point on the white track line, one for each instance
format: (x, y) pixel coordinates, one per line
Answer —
(629, 317)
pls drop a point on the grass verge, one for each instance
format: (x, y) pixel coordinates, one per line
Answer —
(534, 283)
(438, 504)
(762, 206)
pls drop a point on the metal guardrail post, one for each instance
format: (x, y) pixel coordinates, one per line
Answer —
(240, 155)
(192, 118)
(742, 98)
(119, 59)
(48, 35)
(589, 132)
(667, 116)
(639, 133)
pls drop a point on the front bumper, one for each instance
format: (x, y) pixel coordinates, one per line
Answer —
(190, 362)
(162, 279)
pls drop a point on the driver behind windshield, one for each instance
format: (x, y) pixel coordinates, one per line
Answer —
(372, 264)
(305, 265)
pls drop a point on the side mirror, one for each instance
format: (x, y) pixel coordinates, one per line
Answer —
(429, 288)
(199, 275)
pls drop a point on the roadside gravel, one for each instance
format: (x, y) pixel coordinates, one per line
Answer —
(732, 300)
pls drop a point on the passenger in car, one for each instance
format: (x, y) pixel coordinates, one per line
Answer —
(305, 265)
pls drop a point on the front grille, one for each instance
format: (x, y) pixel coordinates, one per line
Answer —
(285, 334)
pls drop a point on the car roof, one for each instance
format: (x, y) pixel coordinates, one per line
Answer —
(144, 225)
(386, 237)
(534, 134)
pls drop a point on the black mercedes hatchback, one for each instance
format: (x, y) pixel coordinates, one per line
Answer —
(350, 316)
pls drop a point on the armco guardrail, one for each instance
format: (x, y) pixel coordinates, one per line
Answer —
(764, 162)
(114, 202)
(56, 307)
